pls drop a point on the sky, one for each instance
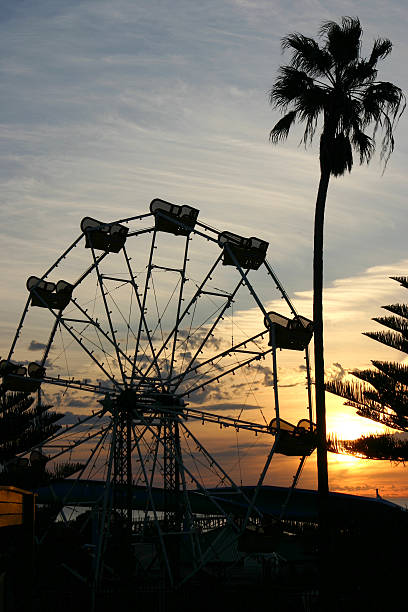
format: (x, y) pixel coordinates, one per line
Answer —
(107, 105)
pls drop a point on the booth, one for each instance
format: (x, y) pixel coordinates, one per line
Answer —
(108, 237)
(16, 378)
(172, 218)
(49, 295)
(292, 334)
(294, 440)
(249, 253)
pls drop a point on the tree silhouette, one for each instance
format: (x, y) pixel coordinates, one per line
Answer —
(381, 393)
(25, 425)
(331, 87)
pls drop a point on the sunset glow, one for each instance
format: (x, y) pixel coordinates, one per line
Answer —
(173, 105)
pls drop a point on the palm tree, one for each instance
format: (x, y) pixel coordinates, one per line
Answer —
(330, 85)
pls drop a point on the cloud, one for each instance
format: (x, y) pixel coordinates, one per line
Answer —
(336, 372)
(193, 340)
(182, 104)
(230, 407)
(282, 386)
(267, 375)
(80, 403)
(36, 346)
(71, 418)
(244, 450)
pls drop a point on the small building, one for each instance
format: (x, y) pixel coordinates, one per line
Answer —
(17, 513)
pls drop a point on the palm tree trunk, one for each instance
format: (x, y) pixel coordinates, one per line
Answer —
(322, 474)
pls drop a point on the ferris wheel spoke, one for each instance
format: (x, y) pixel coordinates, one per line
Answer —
(223, 421)
(193, 478)
(159, 319)
(76, 480)
(207, 228)
(216, 378)
(192, 301)
(136, 218)
(142, 320)
(177, 379)
(99, 414)
(106, 508)
(247, 283)
(92, 267)
(142, 305)
(279, 286)
(260, 482)
(178, 310)
(108, 316)
(89, 353)
(71, 445)
(50, 340)
(19, 328)
(213, 461)
(97, 326)
(194, 538)
(209, 333)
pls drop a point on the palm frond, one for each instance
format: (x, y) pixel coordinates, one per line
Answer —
(383, 104)
(281, 130)
(357, 73)
(388, 419)
(363, 144)
(307, 55)
(309, 106)
(343, 41)
(290, 84)
(15, 401)
(379, 380)
(385, 407)
(381, 48)
(331, 80)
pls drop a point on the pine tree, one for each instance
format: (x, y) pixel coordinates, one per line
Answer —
(380, 393)
(25, 425)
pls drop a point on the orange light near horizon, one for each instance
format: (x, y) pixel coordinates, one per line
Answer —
(345, 424)
(339, 461)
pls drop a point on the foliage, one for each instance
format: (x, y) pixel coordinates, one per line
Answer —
(373, 446)
(381, 393)
(25, 425)
(331, 81)
(327, 82)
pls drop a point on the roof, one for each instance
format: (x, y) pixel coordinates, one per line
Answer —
(302, 504)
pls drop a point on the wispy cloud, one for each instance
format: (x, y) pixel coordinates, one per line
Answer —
(107, 105)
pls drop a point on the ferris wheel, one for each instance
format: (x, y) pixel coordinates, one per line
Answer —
(161, 325)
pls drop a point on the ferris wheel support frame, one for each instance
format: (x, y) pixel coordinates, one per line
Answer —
(124, 414)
